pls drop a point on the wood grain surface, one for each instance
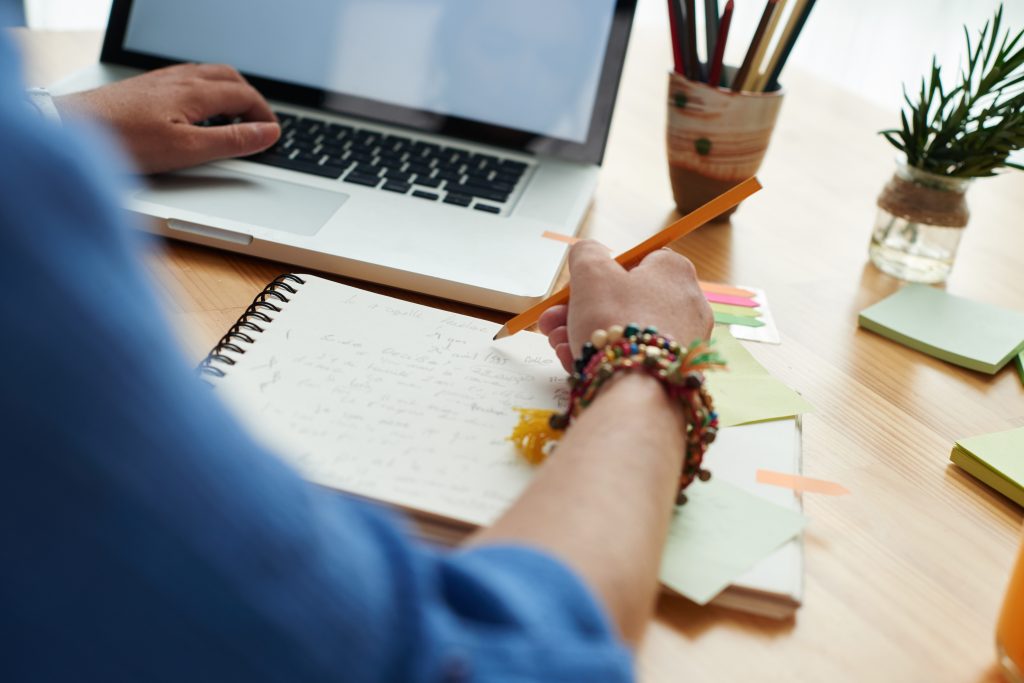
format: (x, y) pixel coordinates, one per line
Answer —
(905, 576)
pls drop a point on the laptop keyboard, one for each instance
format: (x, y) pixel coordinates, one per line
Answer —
(393, 163)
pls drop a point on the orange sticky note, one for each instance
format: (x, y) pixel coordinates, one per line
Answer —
(802, 484)
(729, 290)
(559, 237)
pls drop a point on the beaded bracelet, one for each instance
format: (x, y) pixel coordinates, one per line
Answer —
(680, 370)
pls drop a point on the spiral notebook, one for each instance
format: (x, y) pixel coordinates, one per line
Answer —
(410, 406)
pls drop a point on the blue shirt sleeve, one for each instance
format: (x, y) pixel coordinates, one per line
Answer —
(146, 537)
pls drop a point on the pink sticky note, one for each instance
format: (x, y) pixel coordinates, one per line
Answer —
(731, 300)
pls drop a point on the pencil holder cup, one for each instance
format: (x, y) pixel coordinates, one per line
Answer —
(717, 138)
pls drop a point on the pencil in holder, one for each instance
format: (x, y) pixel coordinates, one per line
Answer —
(716, 138)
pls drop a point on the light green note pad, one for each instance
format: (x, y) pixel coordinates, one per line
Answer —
(745, 392)
(996, 459)
(719, 534)
(967, 333)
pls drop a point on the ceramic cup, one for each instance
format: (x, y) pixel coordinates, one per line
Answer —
(716, 138)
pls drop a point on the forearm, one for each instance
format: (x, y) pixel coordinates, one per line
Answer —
(602, 503)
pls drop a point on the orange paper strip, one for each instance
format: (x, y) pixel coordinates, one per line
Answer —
(718, 288)
(802, 484)
(559, 237)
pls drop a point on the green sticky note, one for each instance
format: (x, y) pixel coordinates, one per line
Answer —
(736, 310)
(739, 360)
(744, 399)
(957, 330)
(719, 534)
(1020, 366)
(726, 319)
(744, 392)
(996, 459)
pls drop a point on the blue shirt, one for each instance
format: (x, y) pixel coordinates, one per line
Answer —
(146, 537)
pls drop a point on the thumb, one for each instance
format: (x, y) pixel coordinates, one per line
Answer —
(235, 140)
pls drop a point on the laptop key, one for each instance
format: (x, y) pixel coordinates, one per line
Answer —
(402, 176)
(427, 182)
(507, 178)
(516, 167)
(488, 209)
(458, 199)
(361, 179)
(425, 195)
(396, 186)
(450, 176)
(419, 169)
(480, 192)
(367, 169)
(490, 185)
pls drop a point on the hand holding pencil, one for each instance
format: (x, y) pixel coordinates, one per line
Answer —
(661, 291)
(634, 256)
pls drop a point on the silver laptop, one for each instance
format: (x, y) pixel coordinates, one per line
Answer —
(427, 144)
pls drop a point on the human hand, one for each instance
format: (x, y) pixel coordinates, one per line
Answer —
(661, 291)
(155, 115)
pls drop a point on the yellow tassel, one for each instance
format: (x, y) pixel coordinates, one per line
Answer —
(533, 433)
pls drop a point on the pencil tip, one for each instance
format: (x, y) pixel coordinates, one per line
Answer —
(502, 333)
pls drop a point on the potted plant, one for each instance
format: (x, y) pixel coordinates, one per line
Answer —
(947, 138)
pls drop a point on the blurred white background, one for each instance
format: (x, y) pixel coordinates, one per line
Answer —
(868, 46)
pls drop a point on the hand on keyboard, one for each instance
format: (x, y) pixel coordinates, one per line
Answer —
(155, 114)
(394, 163)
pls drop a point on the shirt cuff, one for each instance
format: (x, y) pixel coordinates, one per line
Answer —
(42, 101)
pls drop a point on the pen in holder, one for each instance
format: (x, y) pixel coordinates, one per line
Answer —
(716, 138)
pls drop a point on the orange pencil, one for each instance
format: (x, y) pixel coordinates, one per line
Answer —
(685, 225)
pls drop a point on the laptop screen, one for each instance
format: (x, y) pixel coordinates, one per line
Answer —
(533, 66)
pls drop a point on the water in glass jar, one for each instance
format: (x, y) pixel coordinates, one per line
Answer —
(911, 251)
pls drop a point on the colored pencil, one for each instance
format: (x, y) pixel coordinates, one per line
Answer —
(773, 79)
(765, 76)
(762, 48)
(711, 22)
(677, 49)
(690, 16)
(685, 225)
(762, 26)
(675, 13)
(715, 67)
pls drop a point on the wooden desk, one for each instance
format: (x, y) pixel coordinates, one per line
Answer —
(904, 577)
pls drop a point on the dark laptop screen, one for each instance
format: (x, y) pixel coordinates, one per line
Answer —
(534, 66)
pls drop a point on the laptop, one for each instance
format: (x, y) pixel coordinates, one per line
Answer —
(427, 144)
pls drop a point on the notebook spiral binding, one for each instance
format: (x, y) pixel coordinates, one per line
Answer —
(249, 323)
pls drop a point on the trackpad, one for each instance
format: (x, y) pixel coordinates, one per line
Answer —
(248, 199)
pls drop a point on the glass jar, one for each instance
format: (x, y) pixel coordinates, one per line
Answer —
(1010, 630)
(921, 217)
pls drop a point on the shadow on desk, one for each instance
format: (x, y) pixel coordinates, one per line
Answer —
(691, 620)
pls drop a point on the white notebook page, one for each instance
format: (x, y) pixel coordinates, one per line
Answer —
(406, 404)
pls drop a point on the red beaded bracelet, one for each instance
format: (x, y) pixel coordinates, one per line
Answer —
(680, 370)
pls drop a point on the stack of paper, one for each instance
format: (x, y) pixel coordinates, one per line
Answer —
(996, 459)
(974, 335)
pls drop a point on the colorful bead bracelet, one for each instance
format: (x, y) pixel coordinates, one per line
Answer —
(630, 348)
